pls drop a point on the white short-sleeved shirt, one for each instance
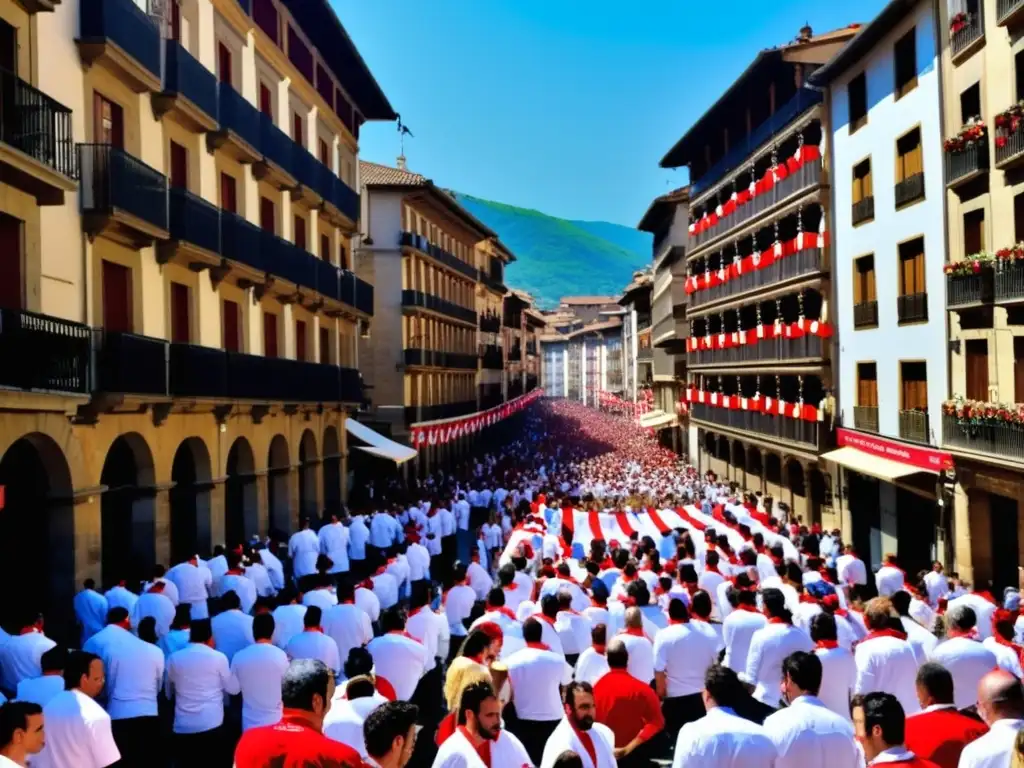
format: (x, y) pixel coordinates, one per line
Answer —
(458, 604)
(641, 656)
(258, 671)
(684, 655)
(838, 679)
(400, 660)
(349, 626)
(135, 674)
(968, 661)
(723, 739)
(232, 631)
(535, 675)
(807, 733)
(197, 679)
(288, 622)
(315, 645)
(591, 666)
(39, 690)
(77, 734)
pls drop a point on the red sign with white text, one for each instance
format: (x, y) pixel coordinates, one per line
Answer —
(914, 455)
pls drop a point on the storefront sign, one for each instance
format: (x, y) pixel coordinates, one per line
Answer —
(916, 456)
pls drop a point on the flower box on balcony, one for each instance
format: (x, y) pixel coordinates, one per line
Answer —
(966, 152)
(1009, 274)
(1009, 138)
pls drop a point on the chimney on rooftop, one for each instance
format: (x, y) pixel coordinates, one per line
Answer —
(805, 33)
(401, 163)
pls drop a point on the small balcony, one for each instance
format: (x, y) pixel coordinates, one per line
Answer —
(863, 210)
(1003, 440)
(492, 358)
(288, 262)
(914, 426)
(122, 197)
(963, 291)
(1009, 12)
(865, 417)
(123, 38)
(420, 300)
(865, 315)
(341, 202)
(438, 254)
(43, 353)
(239, 132)
(190, 91)
(967, 164)
(805, 262)
(240, 242)
(966, 34)
(127, 363)
(912, 308)
(194, 226)
(494, 282)
(808, 434)
(277, 165)
(781, 350)
(309, 175)
(1009, 283)
(490, 323)
(910, 190)
(437, 359)
(515, 354)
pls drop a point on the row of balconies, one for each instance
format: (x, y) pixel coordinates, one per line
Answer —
(492, 358)
(911, 308)
(805, 262)
(766, 350)
(437, 359)
(420, 300)
(913, 424)
(439, 254)
(814, 435)
(417, 413)
(118, 187)
(490, 322)
(999, 283)
(56, 355)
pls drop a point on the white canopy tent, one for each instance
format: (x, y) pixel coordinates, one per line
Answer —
(379, 445)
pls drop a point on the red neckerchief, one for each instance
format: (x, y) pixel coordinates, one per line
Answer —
(504, 611)
(600, 649)
(762, 550)
(607, 564)
(692, 589)
(349, 602)
(806, 598)
(483, 751)
(315, 629)
(588, 743)
(29, 630)
(539, 646)
(712, 569)
(745, 607)
(510, 587)
(479, 658)
(414, 611)
(885, 633)
(776, 560)
(986, 595)
(595, 604)
(403, 633)
(778, 620)
(823, 571)
(635, 631)
(828, 644)
(674, 622)
(234, 572)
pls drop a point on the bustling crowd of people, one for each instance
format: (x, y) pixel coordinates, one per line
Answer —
(576, 596)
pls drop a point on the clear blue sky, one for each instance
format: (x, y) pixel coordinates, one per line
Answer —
(565, 106)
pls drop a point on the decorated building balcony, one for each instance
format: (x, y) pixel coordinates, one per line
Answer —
(912, 308)
(418, 300)
(863, 210)
(494, 281)
(1009, 275)
(1009, 12)
(442, 257)
(121, 196)
(490, 322)
(865, 314)
(124, 38)
(434, 358)
(966, 154)
(1009, 135)
(909, 191)
(43, 353)
(189, 90)
(490, 396)
(984, 428)
(969, 283)
(195, 231)
(966, 32)
(767, 182)
(277, 164)
(781, 250)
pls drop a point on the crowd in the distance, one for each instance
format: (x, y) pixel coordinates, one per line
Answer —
(574, 596)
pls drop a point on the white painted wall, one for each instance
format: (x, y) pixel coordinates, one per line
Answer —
(889, 119)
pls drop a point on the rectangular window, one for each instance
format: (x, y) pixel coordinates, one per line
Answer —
(268, 217)
(228, 193)
(266, 100)
(342, 256)
(867, 385)
(325, 247)
(180, 322)
(974, 232)
(862, 187)
(976, 359)
(905, 54)
(914, 378)
(232, 330)
(108, 117)
(970, 103)
(11, 282)
(300, 232)
(325, 153)
(298, 129)
(325, 346)
(912, 267)
(179, 166)
(908, 155)
(224, 63)
(864, 279)
(269, 334)
(857, 92)
(117, 297)
(1018, 68)
(8, 47)
(300, 340)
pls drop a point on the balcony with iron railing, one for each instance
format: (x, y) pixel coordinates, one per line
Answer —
(807, 434)
(492, 357)
(865, 315)
(438, 254)
(1002, 440)
(189, 88)
(966, 33)
(490, 322)
(863, 210)
(43, 353)
(865, 417)
(494, 282)
(1009, 12)
(122, 191)
(912, 308)
(914, 426)
(39, 128)
(239, 132)
(418, 299)
(780, 350)
(966, 164)
(969, 290)
(124, 37)
(1009, 282)
(805, 262)
(1009, 138)
(438, 359)
(910, 190)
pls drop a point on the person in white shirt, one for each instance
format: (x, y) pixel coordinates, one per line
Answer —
(806, 732)
(258, 671)
(21, 732)
(312, 643)
(573, 628)
(838, 668)
(319, 591)
(216, 565)
(770, 645)
(885, 660)
(232, 629)
(593, 742)
(984, 608)
(480, 712)
(177, 638)
(353, 702)
(723, 739)
(936, 583)
(303, 548)
(850, 569)
(478, 578)
(235, 580)
(153, 602)
(879, 725)
(358, 536)
(385, 587)
(256, 572)
(39, 690)
(682, 657)
(334, 539)
(592, 663)
(198, 678)
(921, 640)
(21, 655)
(1001, 706)
(346, 623)
(966, 658)
(384, 530)
(193, 586)
(78, 731)
(419, 564)
(398, 658)
(1002, 645)
(890, 577)
(119, 596)
(90, 610)
(638, 646)
(740, 625)
(458, 604)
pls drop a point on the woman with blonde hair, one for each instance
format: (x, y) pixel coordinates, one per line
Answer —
(462, 673)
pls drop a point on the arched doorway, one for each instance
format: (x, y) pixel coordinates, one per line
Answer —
(797, 485)
(190, 500)
(332, 470)
(241, 502)
(307, 476)
(37, 535)
(278, 469)
(128, 511)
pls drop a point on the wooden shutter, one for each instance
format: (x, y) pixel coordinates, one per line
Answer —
(117, 297)
(269, 334)
(11, 282)
(180, 324)
(867, 385)
(915, 386)
(1018, 368)
(974, 232)
(325, 247)
(108, 121)
(870, 273)
(179, 166)
(268, 221)
(232, 326)
(325, 345)
(224, 63)
(977, 369)
(342, 256)
(325, 153)
(298, 130)
(300, 232)
(919, 286)
(266, 101)
(859, 283)
(857, 193)
(1018, 218)
(300, 340)
(228, 193)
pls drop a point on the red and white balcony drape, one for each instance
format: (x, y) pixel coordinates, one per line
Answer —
(442, 432)
(757, 404)
(805, 154)
(778, 330)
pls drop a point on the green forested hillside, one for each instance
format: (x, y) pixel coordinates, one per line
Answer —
(557, 257)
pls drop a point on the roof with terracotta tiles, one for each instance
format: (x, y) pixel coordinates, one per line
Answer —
(377, 175)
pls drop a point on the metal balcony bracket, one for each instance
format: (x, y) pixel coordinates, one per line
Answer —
(165, 251)
(160, 412)
(258, 412)
(221, 413)
(100, 403)
(292, 298)
(290, 409)
(260, 290)
(315, 305)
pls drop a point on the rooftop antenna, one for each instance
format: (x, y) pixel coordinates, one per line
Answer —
(403, 131)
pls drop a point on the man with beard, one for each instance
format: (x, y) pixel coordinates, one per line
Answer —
(479, 739)
(593, 742)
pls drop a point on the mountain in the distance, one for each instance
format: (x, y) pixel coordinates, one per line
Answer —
(558, 257)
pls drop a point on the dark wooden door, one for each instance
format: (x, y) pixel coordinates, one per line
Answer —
(232, 326)
(8, 47)
(1018, 368)
(269, 334)
(977, 369)
(224, 63)
(268, 221)
(117, 297)
(300, 340)
(180, 314)
(11, 281)
(325, 345)
(266, 101)
(300, 232)
(179, 166)
(228, 193)
(108, 121)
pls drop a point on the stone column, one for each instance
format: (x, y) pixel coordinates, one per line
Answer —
(88, 542)
(263, 501)
(293, 478)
